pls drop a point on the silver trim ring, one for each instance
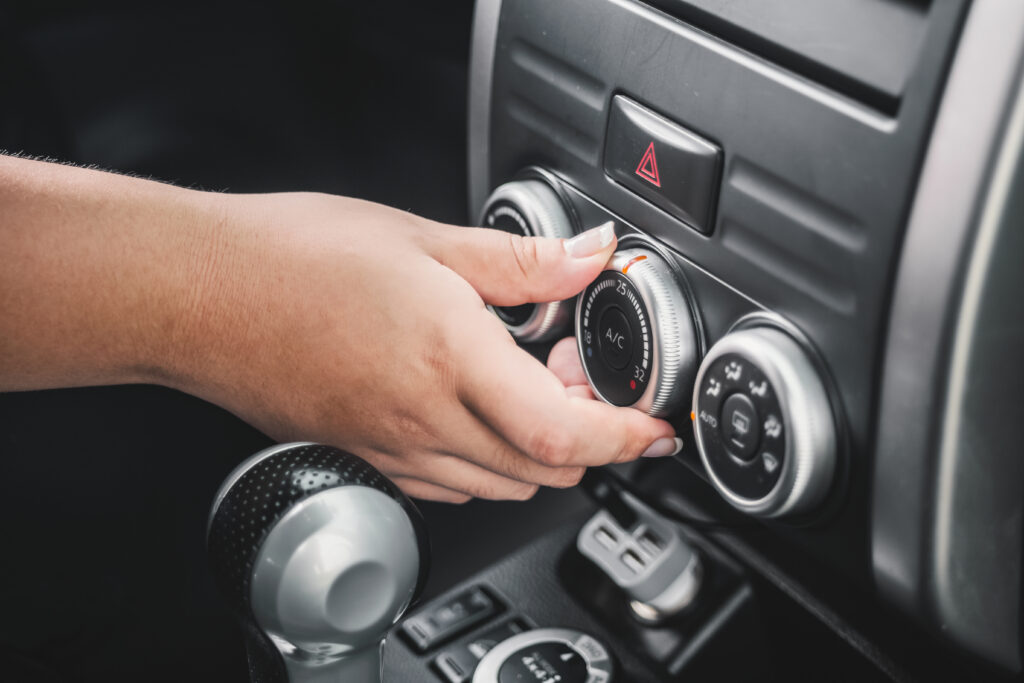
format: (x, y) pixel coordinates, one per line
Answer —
(674, 352)
(545, 216)
(594, 654)
(809, 463)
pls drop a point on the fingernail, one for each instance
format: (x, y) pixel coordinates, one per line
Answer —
(663, 447)
(590, 242)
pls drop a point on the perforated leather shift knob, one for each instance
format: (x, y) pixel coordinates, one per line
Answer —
(318, 554)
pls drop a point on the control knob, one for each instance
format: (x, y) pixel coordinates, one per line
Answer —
(530, 207)
(636, 334)
(546, 654)
(763, 423)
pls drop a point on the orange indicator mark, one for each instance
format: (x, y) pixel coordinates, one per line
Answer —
(693, 416)
(632, 261)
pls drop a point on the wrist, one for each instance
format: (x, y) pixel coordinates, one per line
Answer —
(197, 308)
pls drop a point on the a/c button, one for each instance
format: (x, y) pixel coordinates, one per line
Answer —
(615, 338)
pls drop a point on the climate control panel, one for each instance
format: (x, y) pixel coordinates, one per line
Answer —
(763, 422)
(762, 417)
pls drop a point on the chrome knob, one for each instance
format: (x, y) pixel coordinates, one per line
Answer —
(318, 554)
(636, 333)
(763, 423)
(530, 207)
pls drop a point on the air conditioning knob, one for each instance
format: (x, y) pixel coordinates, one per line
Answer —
(636, 334)
(763, 423)
(531, 207)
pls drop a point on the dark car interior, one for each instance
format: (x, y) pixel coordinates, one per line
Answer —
(820, 214)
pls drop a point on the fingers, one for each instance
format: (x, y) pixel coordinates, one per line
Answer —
(457, 475)
(548, 425)
(581, 391)
(478, 443)
(564, 361)
(507, 269)
(417, 488)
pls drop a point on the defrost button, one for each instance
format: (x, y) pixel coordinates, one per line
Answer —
(740, 426)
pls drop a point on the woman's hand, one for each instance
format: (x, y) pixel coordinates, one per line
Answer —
(349, 323)
(314, 318)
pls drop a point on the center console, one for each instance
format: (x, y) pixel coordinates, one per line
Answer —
(800, 192)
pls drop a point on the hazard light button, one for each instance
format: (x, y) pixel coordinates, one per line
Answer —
(663, 162)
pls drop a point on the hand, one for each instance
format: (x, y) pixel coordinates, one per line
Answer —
(314, 318)
(345, 322)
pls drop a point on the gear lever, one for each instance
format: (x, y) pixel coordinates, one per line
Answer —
(318, 555)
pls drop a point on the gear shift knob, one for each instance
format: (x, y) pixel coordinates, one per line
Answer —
(318, 555)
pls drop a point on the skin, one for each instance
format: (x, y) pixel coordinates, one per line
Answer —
(312, 317)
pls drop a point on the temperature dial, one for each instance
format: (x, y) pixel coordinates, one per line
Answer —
(530, 208)
(636, 334)
(763, 423)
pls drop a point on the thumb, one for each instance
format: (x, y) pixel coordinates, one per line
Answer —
(507, 269)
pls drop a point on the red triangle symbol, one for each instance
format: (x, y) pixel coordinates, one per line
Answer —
(648, 167)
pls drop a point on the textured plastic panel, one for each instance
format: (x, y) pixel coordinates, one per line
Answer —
(815, 190)
(866, 49)
(549, 584)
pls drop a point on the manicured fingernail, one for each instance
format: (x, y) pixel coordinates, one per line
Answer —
(590, 242)
(663, 447)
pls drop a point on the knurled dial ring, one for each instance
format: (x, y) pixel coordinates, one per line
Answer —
(636, 335)
(530, 207)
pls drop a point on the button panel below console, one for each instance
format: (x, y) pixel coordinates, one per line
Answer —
(446, 620)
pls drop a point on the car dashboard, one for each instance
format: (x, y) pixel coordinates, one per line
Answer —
(840, 172)
(819, 212)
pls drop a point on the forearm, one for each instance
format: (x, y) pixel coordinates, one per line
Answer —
(101, 275)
